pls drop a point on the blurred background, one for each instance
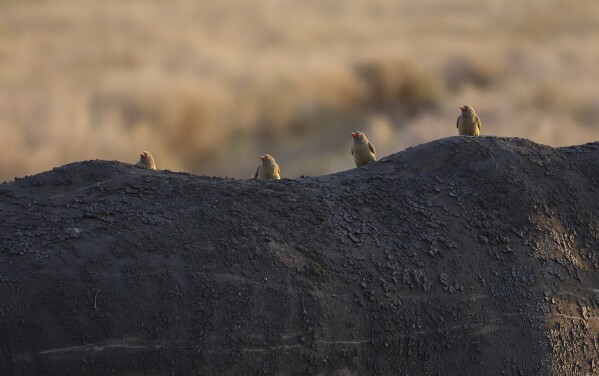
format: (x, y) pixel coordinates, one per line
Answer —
(207, 86)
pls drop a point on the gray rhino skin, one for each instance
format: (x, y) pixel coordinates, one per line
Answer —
(461, 256)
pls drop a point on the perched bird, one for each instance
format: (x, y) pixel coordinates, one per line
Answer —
(468, 123)
(146, 160)
(362, 149)
(268, 169)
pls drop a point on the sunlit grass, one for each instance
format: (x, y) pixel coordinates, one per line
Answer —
(208, 86)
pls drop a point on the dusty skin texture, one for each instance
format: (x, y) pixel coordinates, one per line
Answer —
(463, 256)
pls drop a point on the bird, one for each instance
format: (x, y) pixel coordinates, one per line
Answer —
(268, 169)
(468, 123)
(146, 160)
(362, 149)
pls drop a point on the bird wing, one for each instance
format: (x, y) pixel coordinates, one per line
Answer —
(257, 169)
(371, 146)
(478, 123)
(457, 123)
(278, 171)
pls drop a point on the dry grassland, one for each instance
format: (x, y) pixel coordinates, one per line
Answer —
(209, 85)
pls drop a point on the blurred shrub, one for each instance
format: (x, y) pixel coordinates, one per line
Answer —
(462, 71)
(587, 114)
(399, 83)
(545, 96)
(186, 118)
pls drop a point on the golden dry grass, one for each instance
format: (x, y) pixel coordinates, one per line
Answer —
(208, 86)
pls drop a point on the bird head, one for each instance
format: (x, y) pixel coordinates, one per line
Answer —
(358, 136)
(266, 158)
(467, 109)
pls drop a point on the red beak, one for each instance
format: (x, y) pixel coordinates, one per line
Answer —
(263, 157)
(462, 108)
(142, 155)
(353, 135)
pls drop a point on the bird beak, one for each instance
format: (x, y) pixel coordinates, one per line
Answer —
(263, 157)
(141, 155)
(462, 108)
(353, 135)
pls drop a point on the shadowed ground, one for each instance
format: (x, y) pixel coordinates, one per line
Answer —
(459, 256)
